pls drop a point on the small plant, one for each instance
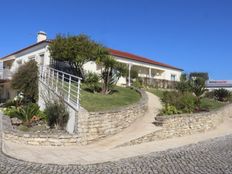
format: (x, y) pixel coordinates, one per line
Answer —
(57, 115)
(222, 95)
(17, 101)
(26, 113)
(137, 83)
(92, 82)
(170, 110)
(11, 111)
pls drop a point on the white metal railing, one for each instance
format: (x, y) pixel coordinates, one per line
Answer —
(5, 74)
(64, 84)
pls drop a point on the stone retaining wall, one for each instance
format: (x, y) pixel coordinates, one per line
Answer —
(185, 124)
(16, 136)
(93, 126)
(41, 139)
(89, 127)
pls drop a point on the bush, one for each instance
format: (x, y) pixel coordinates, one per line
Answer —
(24, 113)
(25, 80)
(170, 110)
(18, 101)
(137, 84)
(209, 94)
(57, 115)
(186, 103)
(11, 111)
(183, 86)
(176, 102)
(222, 95)
(170, 97)
(92, 82)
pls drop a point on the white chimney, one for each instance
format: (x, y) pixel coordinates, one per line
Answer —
(41, 36)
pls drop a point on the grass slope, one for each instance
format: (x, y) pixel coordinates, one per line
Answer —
(98, 102)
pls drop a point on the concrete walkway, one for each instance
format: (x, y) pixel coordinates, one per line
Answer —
(142, 126)
(105, 150)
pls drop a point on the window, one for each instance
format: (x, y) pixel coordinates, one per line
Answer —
(31, 58)
(173, 77)
(41, 59)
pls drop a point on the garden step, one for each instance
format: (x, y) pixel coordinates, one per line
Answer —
(158, 123)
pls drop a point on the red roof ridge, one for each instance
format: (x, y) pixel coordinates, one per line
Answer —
(139, 58)
(112, 52)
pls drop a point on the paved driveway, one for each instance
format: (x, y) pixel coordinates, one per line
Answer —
(209, 157)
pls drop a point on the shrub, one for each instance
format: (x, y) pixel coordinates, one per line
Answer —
(183, 103)
(170, 97)
(137, 84)
(170, 110)
(25, 80)
(92, 82)
(209, 94)
(18, 101)
(26, 112)
(222, 94)
(57, 115)
(183, 86)
(10, 111)
(186, 103)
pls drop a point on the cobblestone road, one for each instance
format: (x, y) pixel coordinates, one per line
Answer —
(209, 157)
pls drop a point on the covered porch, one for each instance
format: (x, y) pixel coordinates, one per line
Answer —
(150, 76)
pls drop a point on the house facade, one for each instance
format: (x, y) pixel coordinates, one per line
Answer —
(147, 69)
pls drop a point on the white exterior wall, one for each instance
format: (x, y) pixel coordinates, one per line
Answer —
(90, 66)
(166, 72)
(34, 52)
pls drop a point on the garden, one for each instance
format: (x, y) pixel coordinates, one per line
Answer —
(24, 111)
(191, 96)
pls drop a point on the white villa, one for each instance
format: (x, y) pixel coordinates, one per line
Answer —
(147, 68)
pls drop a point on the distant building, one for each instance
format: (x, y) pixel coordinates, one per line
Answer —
(217, 84)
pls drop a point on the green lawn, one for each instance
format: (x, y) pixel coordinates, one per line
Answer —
(156, 92)
(98, 102)
(211, 104)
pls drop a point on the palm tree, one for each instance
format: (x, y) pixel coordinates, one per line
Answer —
(198, 88)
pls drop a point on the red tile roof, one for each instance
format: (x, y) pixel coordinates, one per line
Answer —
(112, 52)
(139, 58)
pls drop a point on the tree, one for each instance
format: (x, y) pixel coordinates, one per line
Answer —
(198, 88)
(203, 75)
(76, 50)
(111, 72)
(183, 85)
(134, 74)
(25, 80)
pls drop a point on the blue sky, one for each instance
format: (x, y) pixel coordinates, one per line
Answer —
(195, 35)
